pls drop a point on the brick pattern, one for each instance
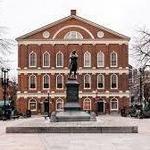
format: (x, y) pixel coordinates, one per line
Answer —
(107, 49)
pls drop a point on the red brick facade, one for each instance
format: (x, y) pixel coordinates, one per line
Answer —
(100, 99)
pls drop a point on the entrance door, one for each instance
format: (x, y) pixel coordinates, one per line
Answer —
(46, 106)
(100, 107)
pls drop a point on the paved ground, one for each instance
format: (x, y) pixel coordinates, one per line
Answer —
(140, 141)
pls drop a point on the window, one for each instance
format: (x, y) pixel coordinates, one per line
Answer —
(46, 59)
(72, 35)
(113, 59)
(114, 81)
(59, 81)
(59, 104)
(100, 81)
(33, 105)
(46, 81)
(32, 82)
(32, 59)
(87, 104)
(114, 104)
(59, 59)
(87, 59)
(100, 59)
(87, 81)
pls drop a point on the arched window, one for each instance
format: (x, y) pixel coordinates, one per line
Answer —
(46, 59)
(113, 59)
(59, 81)
(59, 104)
(32, 81)
(100, 81)
(87, 104)
(32, 59)
(59, 59)
(100, 59)
(46, 81)
(32, 105)
(72, 35)
(87, 81)
(87, 59)
(114, 81)
(114, 104)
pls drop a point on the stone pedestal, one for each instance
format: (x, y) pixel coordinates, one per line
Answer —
(72, 109)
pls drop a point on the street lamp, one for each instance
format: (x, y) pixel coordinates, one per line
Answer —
(48, 99)
(5, 84)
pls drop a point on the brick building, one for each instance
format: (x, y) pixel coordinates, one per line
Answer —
(43, 58)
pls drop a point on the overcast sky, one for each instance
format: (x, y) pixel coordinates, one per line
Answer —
(23, 16)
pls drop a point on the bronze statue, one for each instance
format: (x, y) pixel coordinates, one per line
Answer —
(73, 64)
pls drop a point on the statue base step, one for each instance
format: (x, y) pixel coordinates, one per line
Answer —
(72, 116)
(72, 106)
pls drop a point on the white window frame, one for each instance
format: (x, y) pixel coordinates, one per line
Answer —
(35, 59)
(103, 57)
(62, 102)
(103, 81)
(48, 83)
(77, 34)
(116, 81)
(111, 59)
(62, 59)
(111, 104)
(30, 102)
(87, 52)
(35, 82)
(90, 81)
(48, 57)
(62, 82)
(84, 101)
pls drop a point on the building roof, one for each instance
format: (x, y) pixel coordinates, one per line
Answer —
(73, 15)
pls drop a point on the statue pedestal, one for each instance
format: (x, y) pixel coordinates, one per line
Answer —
(72, 110)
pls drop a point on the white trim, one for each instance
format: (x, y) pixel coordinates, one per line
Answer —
(30, 102)
(48, 57)
(89, 79)
(116, 81)
(103, 81)
(30, 59)
(111, 59)
(89, 56)
(62, 103)
(35, 82)
(103, 57)
(62, 56)
(83, 94)
(84, 103)
(80, 71)
(79, 42)
(48, 82)
(70, 26)
(111, 104)
(62, 82)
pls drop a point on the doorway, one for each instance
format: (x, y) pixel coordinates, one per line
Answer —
(100, 107)
(46, 106)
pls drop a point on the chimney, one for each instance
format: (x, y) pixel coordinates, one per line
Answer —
(73, 12)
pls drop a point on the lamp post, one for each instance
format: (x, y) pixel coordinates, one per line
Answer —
(48, 99)
(5, 84)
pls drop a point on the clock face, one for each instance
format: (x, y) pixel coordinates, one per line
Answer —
(46, 34)
(100, 34)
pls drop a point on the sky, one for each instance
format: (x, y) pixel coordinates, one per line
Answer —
(23, 16)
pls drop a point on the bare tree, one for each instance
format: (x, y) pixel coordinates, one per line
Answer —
(5, 45)
(141, 47)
